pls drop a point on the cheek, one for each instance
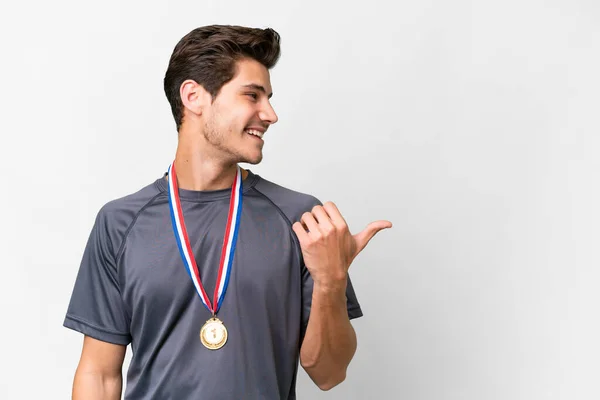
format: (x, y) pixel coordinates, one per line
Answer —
(233, 120)
(223, 124)
(241, 121)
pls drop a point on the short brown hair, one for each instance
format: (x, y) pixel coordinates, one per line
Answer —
(208, 55)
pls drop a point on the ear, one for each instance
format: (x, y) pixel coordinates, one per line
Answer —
(194, 97)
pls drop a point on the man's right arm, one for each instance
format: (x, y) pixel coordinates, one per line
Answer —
(99, 373)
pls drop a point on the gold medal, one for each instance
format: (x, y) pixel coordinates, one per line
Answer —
(213, 334)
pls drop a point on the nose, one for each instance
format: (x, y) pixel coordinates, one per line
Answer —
(267, 114)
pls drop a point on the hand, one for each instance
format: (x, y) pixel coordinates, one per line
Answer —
(327, 245)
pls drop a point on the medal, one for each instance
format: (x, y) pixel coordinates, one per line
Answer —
(213, 334)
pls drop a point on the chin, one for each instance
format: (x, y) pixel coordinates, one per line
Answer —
(254, 161)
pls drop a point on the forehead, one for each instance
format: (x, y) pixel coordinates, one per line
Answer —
(249, 71)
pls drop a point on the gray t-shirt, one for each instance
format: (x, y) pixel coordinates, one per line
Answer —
(132, 287)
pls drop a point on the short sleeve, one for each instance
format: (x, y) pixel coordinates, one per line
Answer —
(96, 307)
(354, 310)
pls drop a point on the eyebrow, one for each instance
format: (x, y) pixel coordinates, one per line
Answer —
(259, 88)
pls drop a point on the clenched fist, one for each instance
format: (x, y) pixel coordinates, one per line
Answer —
(327, 245)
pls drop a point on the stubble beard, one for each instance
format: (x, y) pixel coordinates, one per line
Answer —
(217, 138)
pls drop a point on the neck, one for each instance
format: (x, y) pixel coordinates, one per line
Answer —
(199, 170)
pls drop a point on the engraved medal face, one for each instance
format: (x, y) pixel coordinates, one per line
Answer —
(213, 334)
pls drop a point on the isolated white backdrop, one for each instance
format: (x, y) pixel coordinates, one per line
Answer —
(472, 126)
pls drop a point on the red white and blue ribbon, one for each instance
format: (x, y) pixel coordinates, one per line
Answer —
(229, 241)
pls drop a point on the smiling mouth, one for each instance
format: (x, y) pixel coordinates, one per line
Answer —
(255, 133)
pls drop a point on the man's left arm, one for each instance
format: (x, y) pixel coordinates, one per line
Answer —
(330, 341)
(328, 249)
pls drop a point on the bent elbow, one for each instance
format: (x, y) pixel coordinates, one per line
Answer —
(332, 381)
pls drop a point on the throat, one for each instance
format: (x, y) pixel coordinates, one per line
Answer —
(192, 180)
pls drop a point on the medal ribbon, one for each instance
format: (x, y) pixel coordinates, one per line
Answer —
(229, 241)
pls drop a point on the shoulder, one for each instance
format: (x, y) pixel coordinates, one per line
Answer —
(115, 218)
(292, 203)
(131, 204)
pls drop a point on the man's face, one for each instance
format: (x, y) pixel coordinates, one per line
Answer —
(241, 113)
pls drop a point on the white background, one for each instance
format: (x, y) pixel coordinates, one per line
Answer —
(472, 126)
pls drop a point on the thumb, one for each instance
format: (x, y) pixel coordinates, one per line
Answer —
(363, 238)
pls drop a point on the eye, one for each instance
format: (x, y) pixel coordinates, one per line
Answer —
(254, 96)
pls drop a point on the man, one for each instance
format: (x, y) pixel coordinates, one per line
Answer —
(220, 280)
